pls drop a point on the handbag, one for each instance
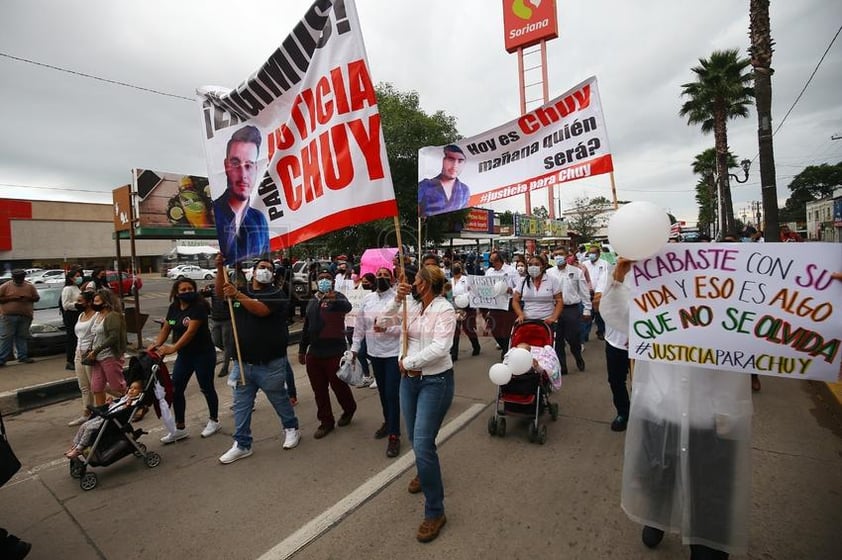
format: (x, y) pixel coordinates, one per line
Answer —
(350, 371)
(9, 463)
(88, 361)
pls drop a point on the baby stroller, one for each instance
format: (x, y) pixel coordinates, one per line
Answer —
(527, 394)
(116, 438)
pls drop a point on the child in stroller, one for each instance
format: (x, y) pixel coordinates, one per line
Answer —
(111, 430)
(87, 431)
(528, 394)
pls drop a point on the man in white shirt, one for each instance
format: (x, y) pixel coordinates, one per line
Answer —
(599, 271)
(577, 308)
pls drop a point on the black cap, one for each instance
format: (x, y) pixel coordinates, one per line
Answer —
(18, 272)
(454, 148)
(325, 270)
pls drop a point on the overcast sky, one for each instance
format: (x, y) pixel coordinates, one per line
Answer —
(67, 137)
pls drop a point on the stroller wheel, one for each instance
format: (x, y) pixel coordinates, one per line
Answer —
(542, 434)
(141, 452)
(152, 459)
(554, 411)
(76, 468)
(88, 481)
(492, 425)
(501, 426)
(533, 432)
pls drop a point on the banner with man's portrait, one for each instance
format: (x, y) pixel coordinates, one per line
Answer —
(297, 150)
(561, 141)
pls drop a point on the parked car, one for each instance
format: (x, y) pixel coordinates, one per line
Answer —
(43, 276)
(190, 271)
(302, 287)
(47, 332)
(130, 283)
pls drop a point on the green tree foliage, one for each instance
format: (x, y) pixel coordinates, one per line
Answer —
(704, 165)
(406, 128)
(588, 215)
(814, 183)
(541, 212)
(720, 93)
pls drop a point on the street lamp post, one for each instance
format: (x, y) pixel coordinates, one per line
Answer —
(720, 219)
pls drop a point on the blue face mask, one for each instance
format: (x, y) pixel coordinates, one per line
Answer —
(324, 285)
(592, 257)
(78, 280)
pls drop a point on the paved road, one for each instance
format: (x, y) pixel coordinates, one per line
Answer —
(506, 498)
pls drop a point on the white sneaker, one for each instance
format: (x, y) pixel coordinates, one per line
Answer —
(373, 385)
(78, 421)
(234, 454)
(291, 437)
(366, 381)
(179, 433)
(212, 427)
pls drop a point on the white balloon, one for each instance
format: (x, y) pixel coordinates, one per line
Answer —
(500, 374)
(638, 230)
(461, 301)
(519, 359)
(500, 288)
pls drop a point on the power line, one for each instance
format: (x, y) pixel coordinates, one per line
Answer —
(63, 189)
(810, 79)
(91, 76)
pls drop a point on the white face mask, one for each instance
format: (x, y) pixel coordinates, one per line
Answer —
(263, 275)
(534, 271)
(521, 269)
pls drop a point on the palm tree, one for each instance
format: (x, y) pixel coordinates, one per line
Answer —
(719, 93)
(761, 59)
(704, 165)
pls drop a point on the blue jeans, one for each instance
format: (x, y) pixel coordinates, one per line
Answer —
(182, 371)
(14, 328)
(388, 378)
(271, 378)
(425, 400)
(289, 377)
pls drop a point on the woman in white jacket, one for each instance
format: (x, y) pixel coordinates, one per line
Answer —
(687, 465)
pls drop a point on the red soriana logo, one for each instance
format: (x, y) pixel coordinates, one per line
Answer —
(479, 220)
(528, 22)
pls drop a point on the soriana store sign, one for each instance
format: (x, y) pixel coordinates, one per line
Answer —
(528, 22)
(479, 220)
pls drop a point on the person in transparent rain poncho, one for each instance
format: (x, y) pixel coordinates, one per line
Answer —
(687, 466)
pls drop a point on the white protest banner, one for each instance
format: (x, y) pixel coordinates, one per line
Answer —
(355, 297)
(483, 292)
(560, 141)
(748, 307)
(297, 150)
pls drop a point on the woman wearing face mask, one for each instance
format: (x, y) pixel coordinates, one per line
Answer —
(427, 384)
(466, 318)
(538, 296)
(187, 319)
(109, 343)
(383, 345)
(321, 347)
(69, 313)
(83, 334)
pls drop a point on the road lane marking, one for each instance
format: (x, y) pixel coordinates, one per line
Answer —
(370, 488)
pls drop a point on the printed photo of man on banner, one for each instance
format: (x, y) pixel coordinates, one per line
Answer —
(561, 141)
(296, 150)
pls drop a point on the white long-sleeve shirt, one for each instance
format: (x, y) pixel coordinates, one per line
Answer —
(574, 286)
(430, 334)
(378, 344)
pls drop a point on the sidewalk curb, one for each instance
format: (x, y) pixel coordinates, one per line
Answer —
(27, 398)
(832, 394)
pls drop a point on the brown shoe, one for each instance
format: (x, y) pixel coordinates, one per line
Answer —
(414, 485)
(381, 432)
(755, 383)
(322, 431)
(430, 528)
(345, 419)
